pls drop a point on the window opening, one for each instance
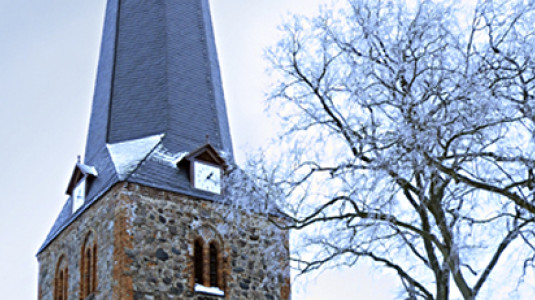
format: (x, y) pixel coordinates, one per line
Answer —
(88, 267)
(198, 262)
(213, 265)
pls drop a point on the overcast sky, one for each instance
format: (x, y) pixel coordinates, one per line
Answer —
(48, 58)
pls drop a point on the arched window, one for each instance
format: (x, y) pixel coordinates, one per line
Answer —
(61, 279)
(207, 261)
(88, 266)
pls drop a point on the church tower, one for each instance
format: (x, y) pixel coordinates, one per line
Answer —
(148, 214)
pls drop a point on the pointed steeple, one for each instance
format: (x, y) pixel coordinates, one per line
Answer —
(158, 96)
(158, 74)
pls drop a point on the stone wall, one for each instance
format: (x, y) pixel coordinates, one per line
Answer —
(145, 240)
(165, 226)
(99, 219)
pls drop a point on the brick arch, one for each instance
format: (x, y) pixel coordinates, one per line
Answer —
(61, 279)
(88, 265)
(208, 233)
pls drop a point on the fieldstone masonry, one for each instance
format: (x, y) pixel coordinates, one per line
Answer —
(145, 242)
(100, 218)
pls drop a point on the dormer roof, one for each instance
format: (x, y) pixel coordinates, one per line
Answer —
(206, 153)
(80, 171)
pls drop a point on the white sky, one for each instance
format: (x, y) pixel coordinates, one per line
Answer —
(48, 58)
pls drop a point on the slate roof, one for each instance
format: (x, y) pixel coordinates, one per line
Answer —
(158, 96)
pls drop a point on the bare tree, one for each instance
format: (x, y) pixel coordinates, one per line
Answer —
(410, 141)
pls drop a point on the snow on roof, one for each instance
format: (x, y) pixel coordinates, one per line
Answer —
(199, 288)
(127, 155)
(162, 155)
(87, 169)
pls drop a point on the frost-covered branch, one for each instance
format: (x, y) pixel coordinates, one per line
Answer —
(409, 141)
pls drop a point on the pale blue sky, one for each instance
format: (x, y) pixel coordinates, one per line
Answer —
(48, 58)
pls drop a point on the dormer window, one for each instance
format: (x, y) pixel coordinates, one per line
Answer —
(78, 187)
(78, 195)
(206, 169)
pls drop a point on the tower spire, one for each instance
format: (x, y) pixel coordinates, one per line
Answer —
(158, 89)
(158, 95)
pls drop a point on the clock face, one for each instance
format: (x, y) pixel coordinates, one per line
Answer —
(78, 196)
(207, 177)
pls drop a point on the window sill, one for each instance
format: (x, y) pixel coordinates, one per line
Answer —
(210, 291)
